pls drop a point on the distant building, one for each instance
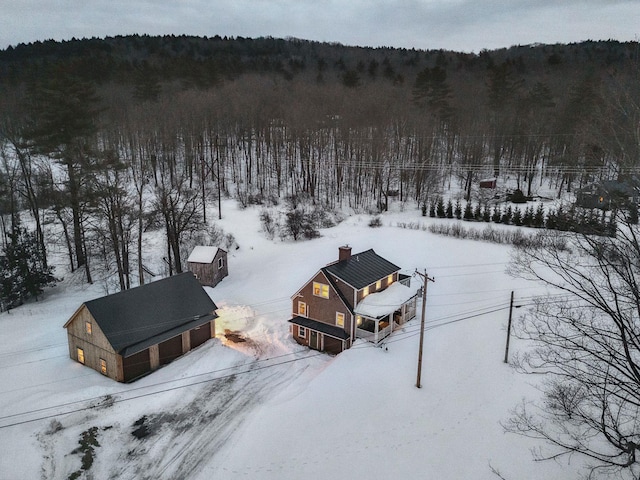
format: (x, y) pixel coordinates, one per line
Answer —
(131, 333)
(208, 264)
(359, 296)
(489, 183)
(607, 194)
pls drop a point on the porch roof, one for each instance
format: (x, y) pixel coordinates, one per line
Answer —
(321, 327)
(383, 303)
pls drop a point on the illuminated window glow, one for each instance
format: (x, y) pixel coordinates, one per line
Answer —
(390, 279)
(358, 320)
(103, 366)
(87, 327)
(378, 285)
(302, 308)
(320, 290)
(340, 319)
(365, 292)
(80, 355)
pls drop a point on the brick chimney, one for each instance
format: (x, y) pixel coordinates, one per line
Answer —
(344, 253)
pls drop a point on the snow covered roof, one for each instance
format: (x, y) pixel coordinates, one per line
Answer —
(385, 302)
(202, 254)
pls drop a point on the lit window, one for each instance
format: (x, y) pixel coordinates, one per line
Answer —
(390, 279)
(80, 355)
(220, 263)
(302, 332)
(87, 327)
(302, 308)
(365, 292)
(103, 366)
(320, 290)
(358, 320)
(340, 319)
(378, 285)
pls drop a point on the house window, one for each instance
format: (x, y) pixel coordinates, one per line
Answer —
(103, 366)
(320, 290)
(390, 279)
(358, 320)
(365, 292)
(220, 263)
(87, 327)
(302, 332)
(378, 285)
(302, 308)
(340, 319)
(80, 355)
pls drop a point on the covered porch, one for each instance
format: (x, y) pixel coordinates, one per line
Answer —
(378, 314)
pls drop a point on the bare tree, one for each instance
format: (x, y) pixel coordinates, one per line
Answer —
(587, 343)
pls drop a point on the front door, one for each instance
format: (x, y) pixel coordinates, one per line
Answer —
(313, 340)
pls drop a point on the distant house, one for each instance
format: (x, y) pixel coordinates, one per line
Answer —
(359, 296)
(208, 264)
(607, 194)
(131, 333)
(489, 183)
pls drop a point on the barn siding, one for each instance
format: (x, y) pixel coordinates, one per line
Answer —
(95, 345)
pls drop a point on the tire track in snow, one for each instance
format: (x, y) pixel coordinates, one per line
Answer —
(182, 441)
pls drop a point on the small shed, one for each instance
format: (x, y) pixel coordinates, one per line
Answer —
(489, 183)
(208, 264)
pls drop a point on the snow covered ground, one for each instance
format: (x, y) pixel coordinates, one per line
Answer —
(267, 408)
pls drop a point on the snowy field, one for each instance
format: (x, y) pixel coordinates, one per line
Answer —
(266, 408)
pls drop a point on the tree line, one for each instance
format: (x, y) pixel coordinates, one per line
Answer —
(144, 139)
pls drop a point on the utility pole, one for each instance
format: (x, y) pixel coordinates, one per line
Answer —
(506, 348)
(425, 280)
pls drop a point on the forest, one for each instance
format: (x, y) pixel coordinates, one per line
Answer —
(109, 138)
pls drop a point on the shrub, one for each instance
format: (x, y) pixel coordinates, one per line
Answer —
(375, 222)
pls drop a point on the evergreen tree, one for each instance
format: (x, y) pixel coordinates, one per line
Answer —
(468, 212)
(449, 211)
(517, 216)
(23, 273)
(538, 218)
(458, 210)
(440, 208)
(497, 215)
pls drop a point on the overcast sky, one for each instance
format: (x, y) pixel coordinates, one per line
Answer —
(461, 25)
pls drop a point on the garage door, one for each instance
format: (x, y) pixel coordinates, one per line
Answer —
(170, 349)
(136, 365)
(200, 335)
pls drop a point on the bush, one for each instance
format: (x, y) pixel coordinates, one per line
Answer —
(375, 222)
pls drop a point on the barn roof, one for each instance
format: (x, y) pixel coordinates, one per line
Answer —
(362, 269)
(135, 319)
(203, 254)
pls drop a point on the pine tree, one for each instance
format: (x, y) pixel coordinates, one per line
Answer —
(449, 211)
(23, 273)
(458, 210)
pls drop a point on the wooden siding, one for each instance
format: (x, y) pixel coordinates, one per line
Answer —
(319, 308)
(94, 345)
(209, 274)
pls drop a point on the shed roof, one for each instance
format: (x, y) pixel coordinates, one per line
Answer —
(203, 254)
(135, 319)
(362, 269)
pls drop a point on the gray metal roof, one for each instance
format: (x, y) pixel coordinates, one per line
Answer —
(362, 269)
(135, 319)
